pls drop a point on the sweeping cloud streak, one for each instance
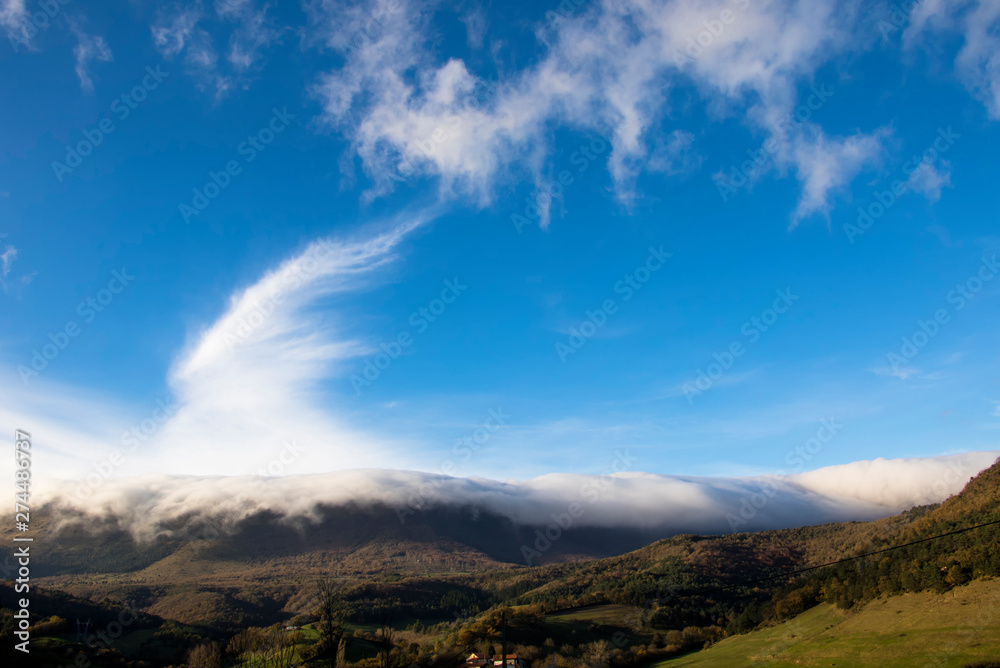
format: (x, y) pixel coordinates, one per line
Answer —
(249, 384)
(662, 503)
(246, 389)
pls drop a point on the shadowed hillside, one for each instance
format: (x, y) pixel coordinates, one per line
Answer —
(441, 564)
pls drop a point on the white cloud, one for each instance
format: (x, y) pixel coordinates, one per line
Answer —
(825, 165)
(476, 22)
(978, 22)
(897, 483)
(7, 259)
(254, 31)
(6, 262)
(613, 64)
(88, 49)
(173, 31)
(176, 32)
(13, 15)
(184, 30)
(247, 385)
(76, 427)
(929, 179)
(669, 504)
(673, 154)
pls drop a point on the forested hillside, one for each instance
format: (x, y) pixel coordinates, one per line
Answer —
(669, 597)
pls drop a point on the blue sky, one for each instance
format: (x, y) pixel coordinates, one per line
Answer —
(411, 145)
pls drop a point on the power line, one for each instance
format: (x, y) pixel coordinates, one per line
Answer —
(841, 561)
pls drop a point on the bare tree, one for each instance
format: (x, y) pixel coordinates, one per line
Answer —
(385, 638)
(206, 655)
(332, 615)
(263, 648)
(598, 654)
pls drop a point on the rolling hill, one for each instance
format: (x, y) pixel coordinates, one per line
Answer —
(451, 571)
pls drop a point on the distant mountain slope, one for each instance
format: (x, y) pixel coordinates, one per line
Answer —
(363, 539)
(251, 571)
(938, 564)
(700, 580)
(261, 567)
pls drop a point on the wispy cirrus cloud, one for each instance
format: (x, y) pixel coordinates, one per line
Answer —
(6, 262)
(250, 381)
(176, 32)
(13, 13)
(185, 32)
(89, 48)
(977, 63)
(7, 256)
(253, 31)
(247, 384)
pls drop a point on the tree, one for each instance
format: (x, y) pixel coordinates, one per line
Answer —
(385, 639)
(598, 654)
(332, 616)
(263, 647)
(205, 655)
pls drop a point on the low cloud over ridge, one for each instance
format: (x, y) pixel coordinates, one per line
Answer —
(667, 504)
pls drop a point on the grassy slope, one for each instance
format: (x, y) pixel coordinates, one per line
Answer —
(621, 615)
(944, 630)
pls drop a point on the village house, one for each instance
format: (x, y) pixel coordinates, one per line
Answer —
(476, 660)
